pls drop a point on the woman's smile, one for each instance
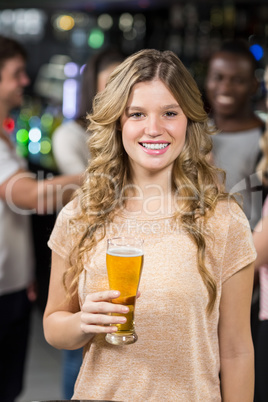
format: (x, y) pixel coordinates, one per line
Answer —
(155, 147)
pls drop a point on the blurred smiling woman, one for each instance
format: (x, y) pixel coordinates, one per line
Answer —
(149, 176)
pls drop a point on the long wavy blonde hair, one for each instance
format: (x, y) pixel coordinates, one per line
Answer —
(193, 177)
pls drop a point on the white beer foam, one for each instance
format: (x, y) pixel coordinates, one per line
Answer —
(125, 252)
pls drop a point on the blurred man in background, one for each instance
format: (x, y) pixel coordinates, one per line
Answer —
(230, 86)
(20, 194)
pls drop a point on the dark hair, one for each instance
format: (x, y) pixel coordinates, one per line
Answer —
(95, 65)
(10, 48)
(238, 47)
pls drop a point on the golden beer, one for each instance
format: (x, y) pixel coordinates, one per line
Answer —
(124, 262)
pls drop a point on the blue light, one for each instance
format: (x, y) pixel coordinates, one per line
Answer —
(69, 101)
(71, 69)
(79, 38)
(34, 121)
(257, 51)
(34, 147)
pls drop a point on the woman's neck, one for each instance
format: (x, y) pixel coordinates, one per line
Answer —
(150, 195)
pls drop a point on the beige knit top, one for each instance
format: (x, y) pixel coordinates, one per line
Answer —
(176, 357)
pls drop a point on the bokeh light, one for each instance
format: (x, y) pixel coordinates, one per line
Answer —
(65, 22)
(257, 51)
(45, 146)
(9, 124)
(34, 121)
(71, 69)
(35, 134)
(70, 88)
(79, 37)
(34, 147)
(47, 121)
(22, 136)
(22, 150)
(96, 38)
(130, 35)
(105, 21)
(125, 22)
(25, 114)
(7, 17)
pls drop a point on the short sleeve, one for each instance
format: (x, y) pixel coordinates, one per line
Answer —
(239, 248)
(10, 163)
(65, 232)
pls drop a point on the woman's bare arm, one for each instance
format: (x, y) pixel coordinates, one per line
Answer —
(236, 348)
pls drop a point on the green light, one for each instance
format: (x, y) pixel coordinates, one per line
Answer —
(25, 114)
(47, 120)
(96, 38)
(22, 150)
(45, 147)
(22, 136)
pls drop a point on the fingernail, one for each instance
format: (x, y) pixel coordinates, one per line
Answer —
(116, 293)
(125, 309)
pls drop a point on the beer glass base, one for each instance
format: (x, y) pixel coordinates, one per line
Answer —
(121, 339)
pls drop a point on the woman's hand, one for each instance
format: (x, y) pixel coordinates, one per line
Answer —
(66, 325)
(95, 313)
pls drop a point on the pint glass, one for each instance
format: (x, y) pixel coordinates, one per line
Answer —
(124, 262)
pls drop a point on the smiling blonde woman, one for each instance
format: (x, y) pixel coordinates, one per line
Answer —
(149, 176)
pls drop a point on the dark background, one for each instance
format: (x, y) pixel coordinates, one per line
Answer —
(191, 28)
